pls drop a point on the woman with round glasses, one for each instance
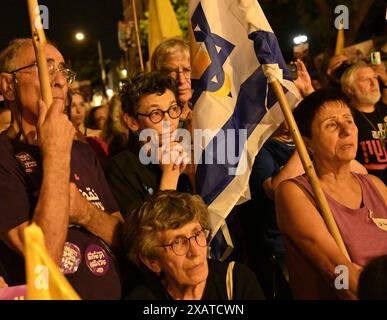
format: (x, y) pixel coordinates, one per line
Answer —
(167, 239)
(151, 105)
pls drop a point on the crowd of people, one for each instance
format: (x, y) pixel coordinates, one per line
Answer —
(121, 229)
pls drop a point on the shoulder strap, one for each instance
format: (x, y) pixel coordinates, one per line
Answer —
(229, 280)
(368, 188)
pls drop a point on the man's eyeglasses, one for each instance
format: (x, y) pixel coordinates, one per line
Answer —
(174, 73)
(68, 74)
(181, 245)
(157, 115)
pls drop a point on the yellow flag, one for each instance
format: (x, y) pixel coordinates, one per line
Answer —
(340, 40)
(162, 23)
(44, 280)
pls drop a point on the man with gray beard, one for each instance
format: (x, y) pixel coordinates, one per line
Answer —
(368, 99)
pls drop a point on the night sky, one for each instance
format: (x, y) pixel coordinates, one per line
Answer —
(96, 18)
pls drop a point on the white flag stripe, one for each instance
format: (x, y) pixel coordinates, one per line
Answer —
(232, 92)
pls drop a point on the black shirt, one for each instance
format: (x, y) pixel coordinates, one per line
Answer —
(370, 152)
(245, 285)
(268, 163)
(133, 182)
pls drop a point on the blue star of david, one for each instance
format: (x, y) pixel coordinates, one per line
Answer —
(211, 41)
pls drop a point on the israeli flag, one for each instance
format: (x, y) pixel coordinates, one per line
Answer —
(235, 55)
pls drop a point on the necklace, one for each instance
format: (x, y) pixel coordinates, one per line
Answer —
(381, 137)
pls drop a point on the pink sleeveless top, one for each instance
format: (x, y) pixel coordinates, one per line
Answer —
(363, 239)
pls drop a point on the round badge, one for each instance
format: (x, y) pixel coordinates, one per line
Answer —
(97, 260)
(71, 258)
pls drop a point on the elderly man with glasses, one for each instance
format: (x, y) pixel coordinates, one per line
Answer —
(172, 57)
(49, 179)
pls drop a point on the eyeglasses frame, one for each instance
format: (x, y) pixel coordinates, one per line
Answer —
(54, 71)
(163, 112)
(208, 237)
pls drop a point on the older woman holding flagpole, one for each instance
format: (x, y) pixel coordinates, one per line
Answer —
(268, 53)
(318, 268)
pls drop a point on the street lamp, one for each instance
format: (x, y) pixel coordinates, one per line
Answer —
(300, 39)
(123, 73)
(301, 46)
(109, 93)
(80, 36)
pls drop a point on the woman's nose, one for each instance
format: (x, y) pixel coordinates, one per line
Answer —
(193, 248)
(346, 128)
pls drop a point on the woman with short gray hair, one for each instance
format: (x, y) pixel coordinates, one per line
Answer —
(167, 237)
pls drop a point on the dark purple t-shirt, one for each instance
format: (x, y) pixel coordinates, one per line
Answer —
(87, 261)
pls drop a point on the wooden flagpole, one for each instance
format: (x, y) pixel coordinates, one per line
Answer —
(39, 41)
(309, 169)
(102, 66)
(339, 49)
(138, 42)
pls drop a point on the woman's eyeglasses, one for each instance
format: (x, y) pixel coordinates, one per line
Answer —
(181, 245)
(174, 111)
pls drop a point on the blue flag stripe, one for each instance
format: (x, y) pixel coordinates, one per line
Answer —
(212, 179)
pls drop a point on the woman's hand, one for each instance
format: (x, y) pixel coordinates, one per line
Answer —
(173, 161)
(172, 157)
(303, 81)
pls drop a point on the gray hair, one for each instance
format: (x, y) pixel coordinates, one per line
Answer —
(348, 77)
(167, 210)
(167, 48)
(8, 55)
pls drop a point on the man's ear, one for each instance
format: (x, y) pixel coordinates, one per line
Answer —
(152, 264)
(7, 87)
(131, 122)
(349, 91)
